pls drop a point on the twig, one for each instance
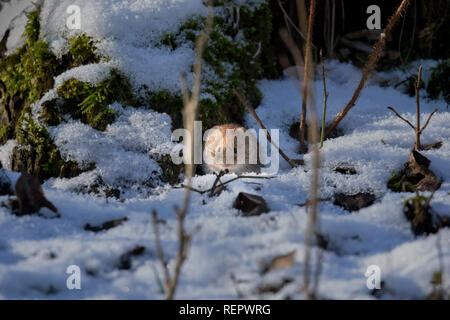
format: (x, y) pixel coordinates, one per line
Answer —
(223, 184)
(218, 176)
(417, 130)
(428, 120)
(398, 115)
(378, 48)
(286, 15)
(159, 251)
(189, 113)
(307, 73)
(417, 90)
(325, 98)
(258, 120)
(29, 53)
(313, 212)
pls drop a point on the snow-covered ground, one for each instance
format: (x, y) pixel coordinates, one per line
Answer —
(36, 252)
(229, 244)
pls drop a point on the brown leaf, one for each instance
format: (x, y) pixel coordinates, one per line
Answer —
(30, 195)
(106, 225)
(354, 202)
(417, 170)
(436, 145)
(125, 259)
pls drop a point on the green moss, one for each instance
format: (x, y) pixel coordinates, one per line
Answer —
(33, 26)
(40, 157)
(28, 74)
(6, 133)
(91, 103)
(439, 83)
(164, 101)
(83, 50)
(238, 55)
(398, 182)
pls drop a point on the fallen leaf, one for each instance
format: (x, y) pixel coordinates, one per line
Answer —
(354, 202)
(418, 172)
(125, 259)
(106, 225)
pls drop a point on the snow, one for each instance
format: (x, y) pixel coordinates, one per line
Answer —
(122, 153)
(375, 143)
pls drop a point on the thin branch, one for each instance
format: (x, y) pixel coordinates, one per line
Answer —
(286, 15)
(189, 114)
(218, 176)
(258, 120)
(428, 120)
(398, 115)
(377, 50)
(308, 73)
(223, 184)
(159, 250)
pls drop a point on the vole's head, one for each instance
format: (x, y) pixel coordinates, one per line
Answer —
(231, 147)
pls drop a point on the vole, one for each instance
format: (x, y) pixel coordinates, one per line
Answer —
(217, 147)
(30, 195)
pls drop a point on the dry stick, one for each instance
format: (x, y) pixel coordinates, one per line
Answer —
(312, 208)
(224, 183)
(417, 130)
(306, 76)
(398, 115)
(378, 48)
(189, 114)
(159, 250)
(258, 120)
(417, 145)
(218, 176)
(325, 98)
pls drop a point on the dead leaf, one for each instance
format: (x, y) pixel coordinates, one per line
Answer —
(106, 225)
(417, 170)
(30, 195)
(436, 145)
(125, 259)
(354, 202)
(250, 204)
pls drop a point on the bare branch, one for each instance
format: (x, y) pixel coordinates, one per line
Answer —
(189, 114)
(258, 120)
(398, 115)
(377, 50)
(159, 251)
(428, 120)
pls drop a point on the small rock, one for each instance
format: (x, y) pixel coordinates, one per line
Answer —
(250, 204)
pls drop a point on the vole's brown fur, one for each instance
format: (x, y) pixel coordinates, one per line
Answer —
(215, 143)
(30, 195)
